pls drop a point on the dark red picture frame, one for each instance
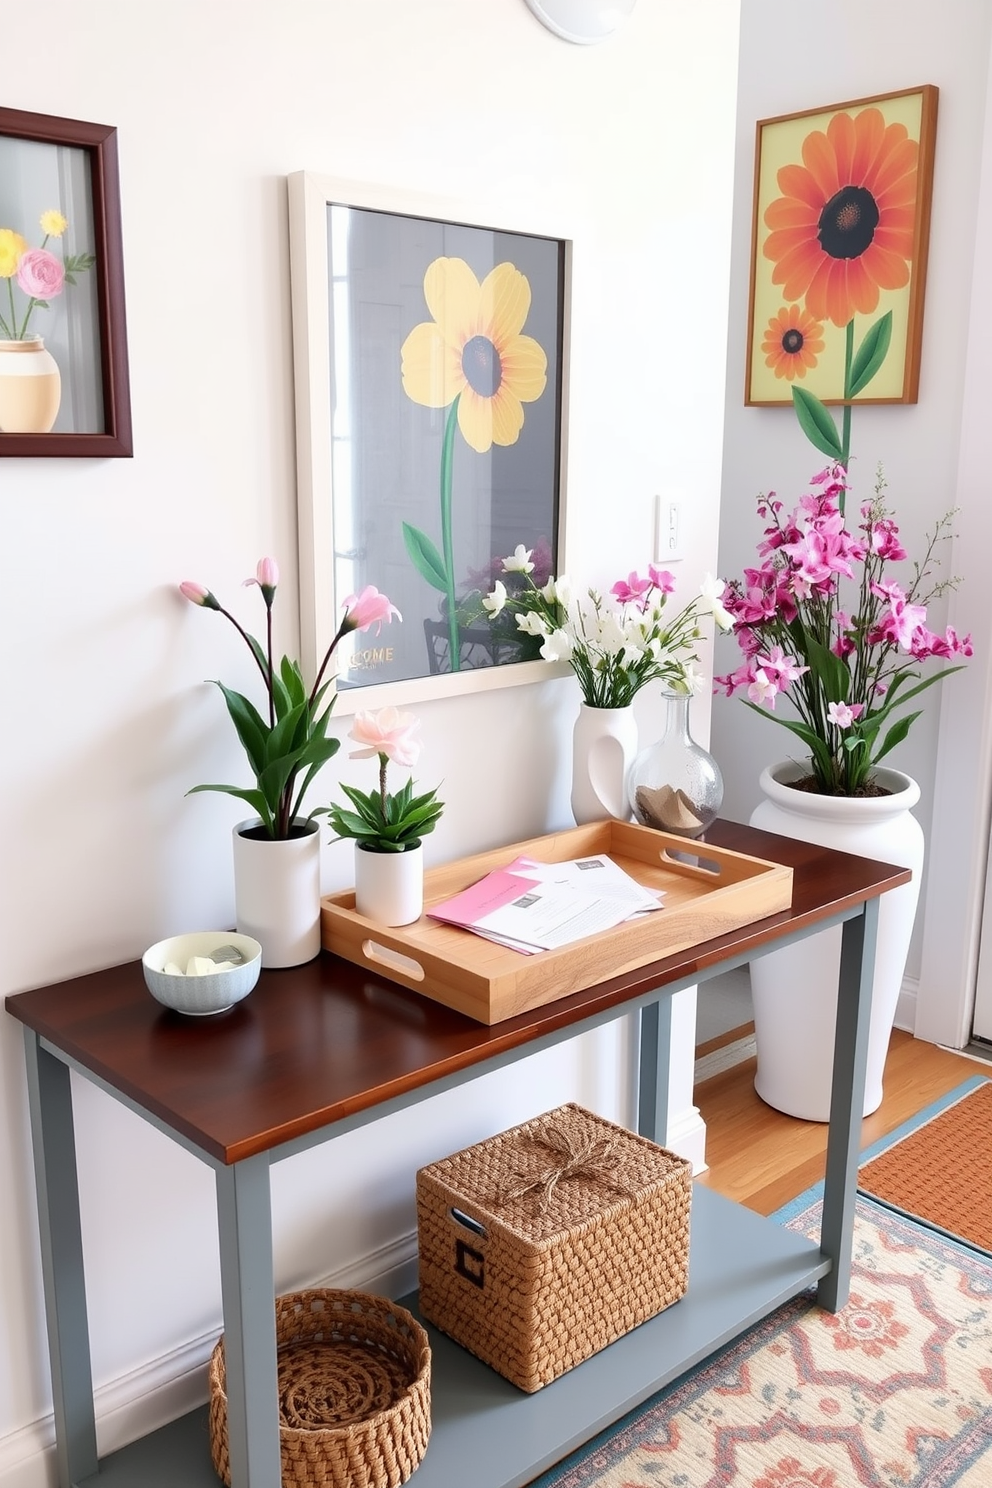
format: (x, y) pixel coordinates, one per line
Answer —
(100, 143)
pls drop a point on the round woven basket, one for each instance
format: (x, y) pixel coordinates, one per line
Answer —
(354, 1392)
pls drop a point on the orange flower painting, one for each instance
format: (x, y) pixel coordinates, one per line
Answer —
(792, 340)
(839, 258)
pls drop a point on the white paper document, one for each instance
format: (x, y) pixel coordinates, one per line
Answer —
(530, 906)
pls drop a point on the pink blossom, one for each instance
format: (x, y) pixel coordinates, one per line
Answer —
(40, 274)
(898, 622)
(366, 608)
(785, 667)
(196, 594)
(630, 589)
(661, 579)
(266, 577)
(266, 574)
(387, 732)
(735, 680)
(884, 539)
(842, 715)
(763, 689)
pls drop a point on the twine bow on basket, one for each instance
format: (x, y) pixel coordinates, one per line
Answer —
(572, 1157)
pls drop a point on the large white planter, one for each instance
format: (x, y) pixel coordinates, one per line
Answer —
(389, 887)
(277, 893)
(604, 743)
(795, 989)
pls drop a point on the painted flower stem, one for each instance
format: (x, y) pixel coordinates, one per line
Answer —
(447, 534)
(845, 436)
(383, 762)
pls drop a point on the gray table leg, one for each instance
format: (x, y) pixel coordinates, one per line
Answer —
(244, 1214)
(655, 1063)
(857, 965)
(52, 1136)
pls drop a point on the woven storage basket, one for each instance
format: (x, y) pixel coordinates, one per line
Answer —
(535, 1281)
(354, 1391)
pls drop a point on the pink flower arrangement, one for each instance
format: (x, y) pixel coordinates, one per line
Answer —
(287, 748)
(615, 644)
(846, 663)
(37, 272)
(380, 822)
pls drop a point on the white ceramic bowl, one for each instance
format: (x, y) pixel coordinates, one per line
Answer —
(214, 992)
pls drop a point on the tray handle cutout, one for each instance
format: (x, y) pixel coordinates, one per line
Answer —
(694, 862)
(392, 960)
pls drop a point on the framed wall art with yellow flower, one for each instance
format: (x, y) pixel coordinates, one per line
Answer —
(63, 343)
(839, 254)
(429, 349)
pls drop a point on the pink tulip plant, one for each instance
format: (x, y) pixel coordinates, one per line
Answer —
(847, 661)
(380, 822)
(291, 741)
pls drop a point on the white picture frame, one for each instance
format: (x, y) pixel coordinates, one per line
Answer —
(324, 213)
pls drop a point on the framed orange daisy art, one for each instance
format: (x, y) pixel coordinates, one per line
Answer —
(430, 389)
(839, 252)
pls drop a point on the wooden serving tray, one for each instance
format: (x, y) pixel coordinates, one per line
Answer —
(716, 891)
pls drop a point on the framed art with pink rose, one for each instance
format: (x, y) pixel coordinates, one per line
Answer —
(839, 252)
(430, 350)
(63, 343)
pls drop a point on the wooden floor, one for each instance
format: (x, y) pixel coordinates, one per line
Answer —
(763, 1159)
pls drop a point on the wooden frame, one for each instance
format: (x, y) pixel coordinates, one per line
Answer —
(380, 430)
(65, 169)
(836, 302)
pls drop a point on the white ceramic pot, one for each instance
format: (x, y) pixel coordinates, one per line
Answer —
(30, 387)
(795, 989)
(604, 743)
(389, 887)
(277, 892)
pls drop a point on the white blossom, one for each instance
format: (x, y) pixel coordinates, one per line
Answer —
(519, 561)
(493, 603)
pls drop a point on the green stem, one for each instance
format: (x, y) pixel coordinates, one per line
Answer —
(383, 762)
(268, 652)
(13, 310)
(845, 438)
(27, 316)
(447, 541)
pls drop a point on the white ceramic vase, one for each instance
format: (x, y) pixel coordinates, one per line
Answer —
(389, 886)
(795, 989)
(604, 743)
(277, 892)
(30, 387)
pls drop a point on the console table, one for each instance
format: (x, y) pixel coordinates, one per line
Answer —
(324, 1048)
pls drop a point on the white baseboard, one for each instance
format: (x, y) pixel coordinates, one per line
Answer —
(687, 1137)
(141, 1401)
(906, 1006)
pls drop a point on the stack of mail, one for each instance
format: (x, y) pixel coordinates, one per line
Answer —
(531, 906)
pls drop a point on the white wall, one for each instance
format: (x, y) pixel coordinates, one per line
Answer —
(863, 50)
(108, 718)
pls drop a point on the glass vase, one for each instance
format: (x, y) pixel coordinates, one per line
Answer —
(675, 785)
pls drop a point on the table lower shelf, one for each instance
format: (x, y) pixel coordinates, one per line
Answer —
(741, 1267)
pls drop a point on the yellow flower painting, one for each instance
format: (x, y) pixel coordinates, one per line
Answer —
(474, 350)
(473, 358)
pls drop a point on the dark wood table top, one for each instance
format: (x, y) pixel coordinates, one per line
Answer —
(317, 1043)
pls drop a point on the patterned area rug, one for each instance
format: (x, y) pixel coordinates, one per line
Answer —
(895, 1391)
(923, 1169)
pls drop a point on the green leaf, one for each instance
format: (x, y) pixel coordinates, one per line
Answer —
(251, 728)
(896, 734)
(816, 423)
(292, 679)
(256, 800)
(870, 354)
(425, 557)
